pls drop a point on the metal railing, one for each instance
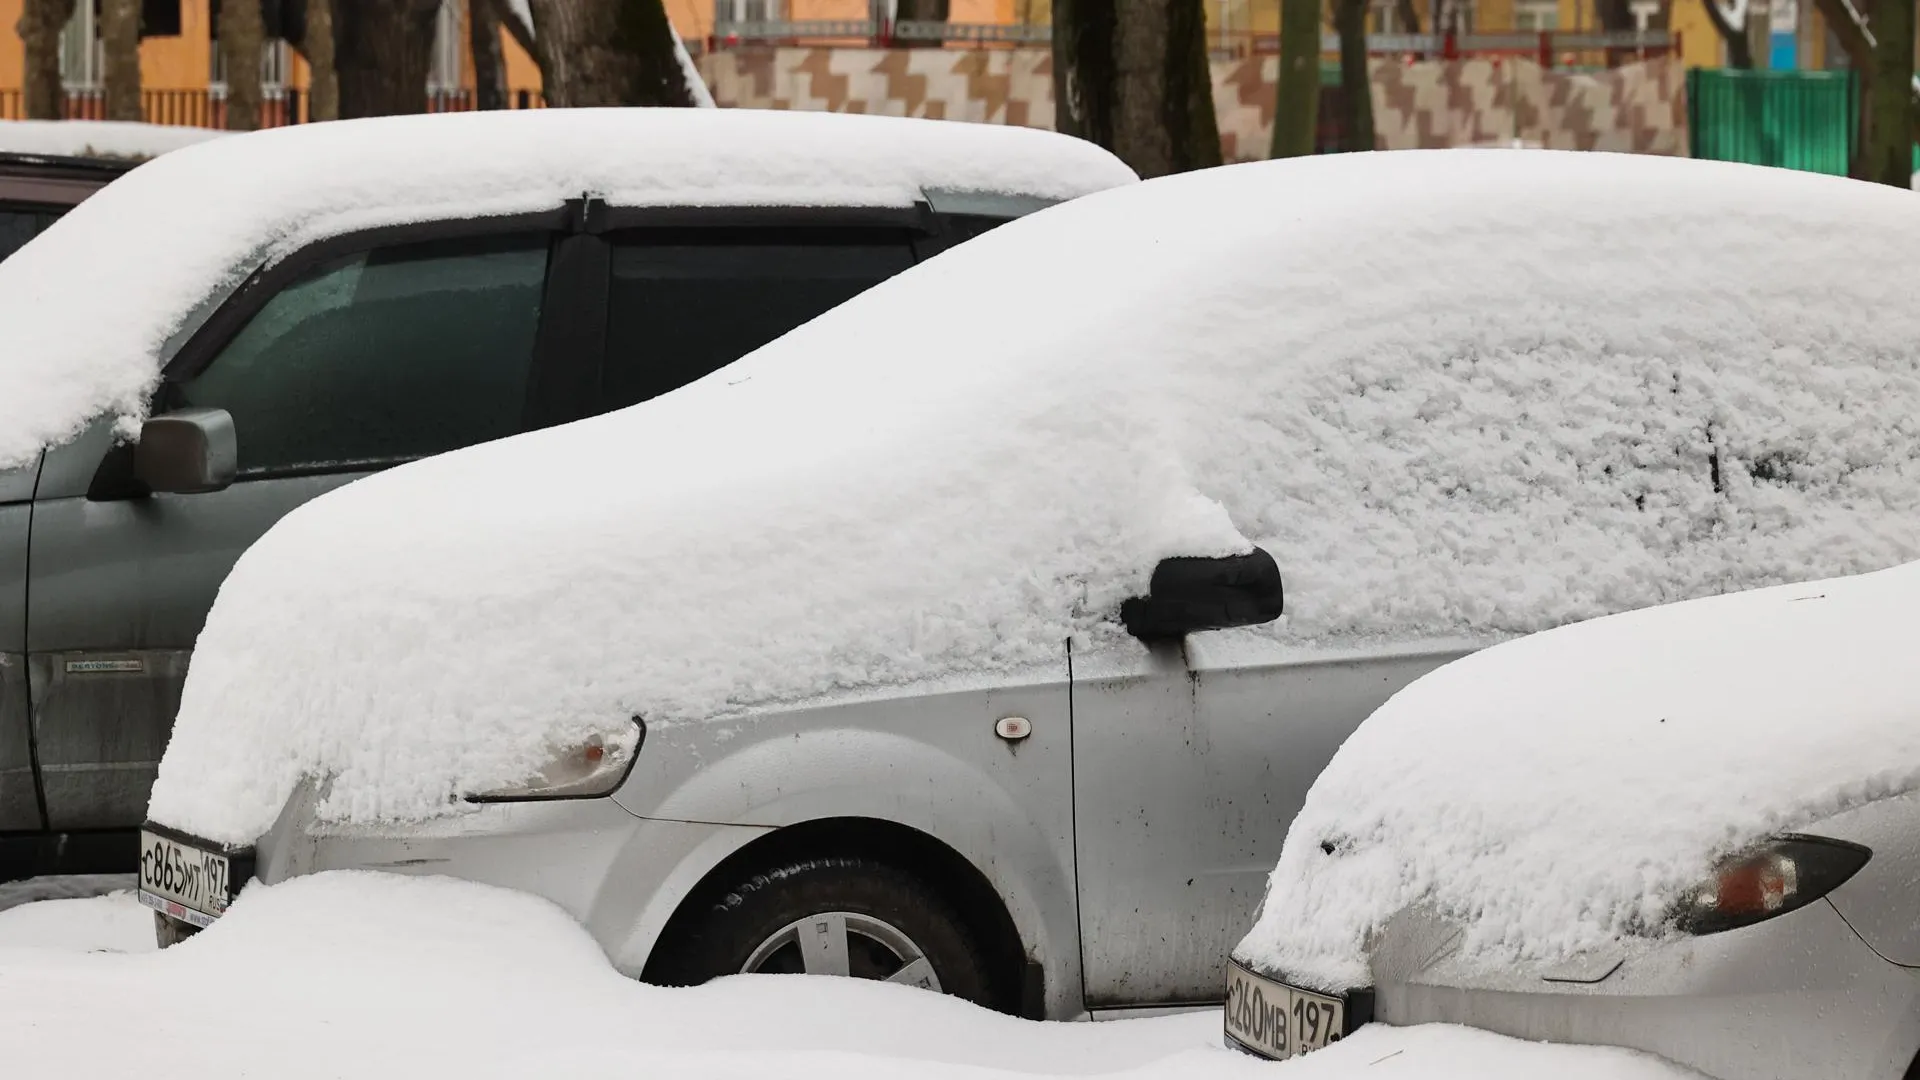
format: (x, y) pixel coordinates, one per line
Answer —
(876, 32)
(207, 106)
(1548, 46)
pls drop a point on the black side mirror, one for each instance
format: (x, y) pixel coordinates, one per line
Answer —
(187, 452)
(1188, 594)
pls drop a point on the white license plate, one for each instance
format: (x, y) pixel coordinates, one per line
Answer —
(189, 883)
(1279, 1021)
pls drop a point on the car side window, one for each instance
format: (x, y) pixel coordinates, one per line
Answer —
(382, 356)
(964, 227)
(687, 301)
(17, 226)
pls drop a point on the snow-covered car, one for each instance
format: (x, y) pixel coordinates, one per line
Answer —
(48, 167)
(870, 653)
(1691, 830)
(36, 189)
(289, 310)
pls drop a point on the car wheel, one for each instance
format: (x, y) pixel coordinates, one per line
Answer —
(171, 931)
(830, 916)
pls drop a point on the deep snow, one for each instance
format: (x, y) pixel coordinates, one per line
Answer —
(1456, 394)
(185, 227)
(1560, 792)
(376, 976)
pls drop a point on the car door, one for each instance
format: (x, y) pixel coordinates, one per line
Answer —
(1189, 765)
(354, 356)
(19, 794)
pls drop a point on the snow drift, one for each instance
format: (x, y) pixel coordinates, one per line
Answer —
(1456, 393)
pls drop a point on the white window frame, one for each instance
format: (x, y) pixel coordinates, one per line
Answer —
(449, 34)
(1536, 16)
(83, 59)
(735, 11)
(276, 68)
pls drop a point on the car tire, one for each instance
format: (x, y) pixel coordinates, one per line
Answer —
(168, 932)
(835, 915)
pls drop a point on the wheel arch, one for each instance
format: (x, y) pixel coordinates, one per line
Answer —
(1018, 982)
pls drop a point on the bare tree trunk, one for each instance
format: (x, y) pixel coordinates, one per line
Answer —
(39, 28)
(120, 49)
(383, 50)
(922, 11)
(1296, 110)
(1356, 83)
(1139, 86)
(1732, 27)
(1890, 130)
(243, 37)
(316, 44)
(489, 66)
(1408, 16)
(607, 52)
(1857, 38)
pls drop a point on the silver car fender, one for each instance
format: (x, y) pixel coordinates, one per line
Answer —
(933, 764)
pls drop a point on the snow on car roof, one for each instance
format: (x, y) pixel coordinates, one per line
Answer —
(89, 306)
(97, 138)
(1559, 792)
(1455, 393)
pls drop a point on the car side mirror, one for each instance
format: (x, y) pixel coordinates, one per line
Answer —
(187, 451)
(1188, 594)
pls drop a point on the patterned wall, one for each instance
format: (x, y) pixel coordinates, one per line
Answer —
(1640, 107)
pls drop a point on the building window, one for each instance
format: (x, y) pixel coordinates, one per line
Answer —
(448, 37)
(81, 57)
(276, 62)
(1533, 16)
(725, 11)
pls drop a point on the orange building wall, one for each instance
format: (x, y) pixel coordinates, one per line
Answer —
(13, 54)
(182, 61)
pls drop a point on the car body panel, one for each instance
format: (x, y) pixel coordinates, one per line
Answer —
(120, 590)
(1735, 1004)
(700, 792)
(931, 762)
(1189, 767)
(19, 801)
(1879, 900)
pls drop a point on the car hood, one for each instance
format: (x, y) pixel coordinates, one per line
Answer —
(1554, 794)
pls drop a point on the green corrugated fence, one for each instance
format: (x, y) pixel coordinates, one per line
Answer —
(1792, 119)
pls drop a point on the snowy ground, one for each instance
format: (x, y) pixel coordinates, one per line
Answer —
(375, 976)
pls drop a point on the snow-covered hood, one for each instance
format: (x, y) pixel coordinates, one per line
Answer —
(1544, 387)
(164, 238)
(1557, 793)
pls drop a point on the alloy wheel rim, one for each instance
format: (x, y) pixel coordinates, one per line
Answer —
(845, 943)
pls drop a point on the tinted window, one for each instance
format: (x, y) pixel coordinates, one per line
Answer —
(383, 356)
(685, 302)
(963, 227)
(19, 226)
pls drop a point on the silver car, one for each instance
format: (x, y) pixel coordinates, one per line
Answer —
(1759, 819)
(949, 635)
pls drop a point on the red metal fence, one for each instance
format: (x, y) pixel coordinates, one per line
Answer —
(204, 107)
(1550, 48)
